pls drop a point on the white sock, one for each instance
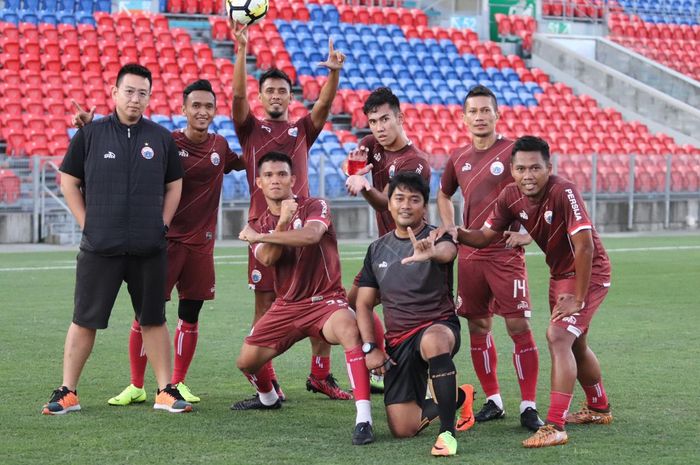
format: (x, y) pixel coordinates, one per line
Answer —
(364, 411)
(527, 403)
(496, 398)
(268, 398)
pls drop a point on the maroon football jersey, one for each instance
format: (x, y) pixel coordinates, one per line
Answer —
(385, 164)
(550, 221)
(310, 272)
(258, 137)
(481, 175)
(204, 164)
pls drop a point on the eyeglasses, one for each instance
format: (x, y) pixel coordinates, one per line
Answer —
(129, 92)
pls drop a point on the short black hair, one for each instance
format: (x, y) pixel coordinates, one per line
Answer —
(481, 91)
(200, 84)
(137, 69)
(379, 97)
(275, 156)
(274, 73)
(411, 181)
(531, 144)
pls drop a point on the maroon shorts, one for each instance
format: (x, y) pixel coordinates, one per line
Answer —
(492, 287)
(260, 277)
(286, 323)
(192, 271)
(578, 323)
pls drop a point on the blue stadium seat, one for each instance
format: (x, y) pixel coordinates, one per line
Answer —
(180, 121)
(27, 16)
(85, 18)
(228, 191)
(48, 17)
(103, 5)
(331, 14)
(9, 16)
(30, 5)
(85, 6)
(13, 4)
(223, 122)
(50, 5)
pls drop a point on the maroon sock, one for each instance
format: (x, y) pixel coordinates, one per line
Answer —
(357, 372)
(485, 359)
(527, 364)
(320, 366)
(559, 403)
(596, 398)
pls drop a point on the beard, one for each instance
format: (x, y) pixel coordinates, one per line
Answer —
(275, 114)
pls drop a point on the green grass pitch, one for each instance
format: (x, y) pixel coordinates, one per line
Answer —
(645, 335)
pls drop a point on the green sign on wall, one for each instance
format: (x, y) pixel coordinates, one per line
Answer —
(508, 7)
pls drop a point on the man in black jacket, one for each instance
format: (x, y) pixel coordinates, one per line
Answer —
(122, 180)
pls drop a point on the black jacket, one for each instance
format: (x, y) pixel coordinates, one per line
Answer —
(124, 170)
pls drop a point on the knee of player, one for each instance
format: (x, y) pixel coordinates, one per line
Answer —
(517, 326)
(559, 337)
(245, 365)
(403, 430)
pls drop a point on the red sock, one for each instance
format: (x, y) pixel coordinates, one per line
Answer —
(185, 343)
(320, 366)
(261, 380)
(378, 331)
(559, 403)
(527, 364)
(270, 370)
(596, 397)
(137, 355)
(357, 372)
(485, 359)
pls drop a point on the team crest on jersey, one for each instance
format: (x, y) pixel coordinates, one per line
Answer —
(497, 168)
(256, 276)
(392, 170)
(215, 159)
(184, 153)
(548, 216)
(147, 153)
(377, 156)
(266, 128)
(297, 223)
(293, 131)
(523, 215)
(467, 167)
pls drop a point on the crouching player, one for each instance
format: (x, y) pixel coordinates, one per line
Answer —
(412, 268)
(295, 236)
(552, 211)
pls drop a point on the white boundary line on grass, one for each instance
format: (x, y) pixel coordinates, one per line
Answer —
(359, 255)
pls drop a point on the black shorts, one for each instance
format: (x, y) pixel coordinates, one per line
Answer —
(407, 381)
(98, 279)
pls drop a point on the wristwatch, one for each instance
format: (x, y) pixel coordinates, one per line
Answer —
(368, 347)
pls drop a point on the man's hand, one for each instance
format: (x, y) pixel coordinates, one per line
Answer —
(82, 117)
(335, 59)
(517, 239)
(566, 306)
(378, 362)
(357, 183)
(289, 208)
(249, 235)
(240, 36)
(423, 250)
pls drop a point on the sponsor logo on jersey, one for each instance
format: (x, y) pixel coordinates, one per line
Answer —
(548, 216)
(383, 265)
(523, 305)
(523, 215)
(574, 204)
(377, 156)
(297, 223)
(266, 128)
(392, 170)
(293, 131)
(110, 155)
(215, 159)
(419, 170)
(208, 235)
(324, 209)
(570, 319)
(212, 289)
(458, 304)
(255, 276)
(183, 153)
(467, 167)
(497, 168)
(147, 153)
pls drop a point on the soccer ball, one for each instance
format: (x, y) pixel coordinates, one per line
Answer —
(246, 11)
